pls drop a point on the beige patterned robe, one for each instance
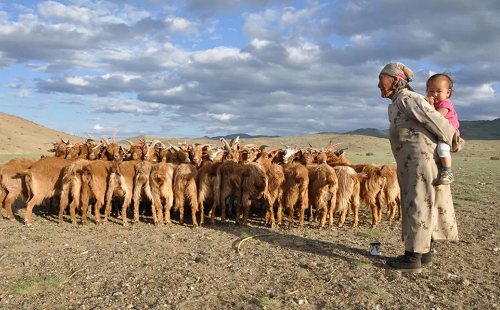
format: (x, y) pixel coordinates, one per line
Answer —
(427, 209)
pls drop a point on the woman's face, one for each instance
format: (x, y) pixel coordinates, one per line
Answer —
(385, 83)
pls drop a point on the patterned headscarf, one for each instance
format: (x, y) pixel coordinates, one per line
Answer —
(398, 70)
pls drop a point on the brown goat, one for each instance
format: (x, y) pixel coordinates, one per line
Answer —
(141, 185)
(59, 148)
(372, 190)
(296, 185)
(392, 193)
(253, 187)
(161, 180)
(275, 186)
(43, 180)
(71, 185)
(95, 176)
(11, 184)
(323, 186)
(348, 193)
(185, 190)
(205, 181)
(227, 184)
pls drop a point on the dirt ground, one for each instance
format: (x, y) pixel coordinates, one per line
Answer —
(51, 266)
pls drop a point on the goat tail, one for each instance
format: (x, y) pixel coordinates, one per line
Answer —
(217, 187)
(28, 181)
(235, 180)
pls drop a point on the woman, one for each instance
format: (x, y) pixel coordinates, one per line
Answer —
(415, 128)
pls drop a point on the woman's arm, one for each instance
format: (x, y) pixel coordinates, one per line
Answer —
(416, 107)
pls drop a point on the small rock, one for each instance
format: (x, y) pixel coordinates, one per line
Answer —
(201, 259)
(130, 306)
(465, 282)
(117, 293)
(452, 276)
(303, 301)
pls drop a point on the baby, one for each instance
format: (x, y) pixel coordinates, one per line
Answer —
(439, 89)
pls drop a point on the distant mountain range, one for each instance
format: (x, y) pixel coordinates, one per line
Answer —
(241, 135)
(469, 130)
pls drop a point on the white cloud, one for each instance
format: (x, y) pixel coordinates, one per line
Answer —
(79, 81)
(180, 25)
(284, 67)
(97, 127)
(59, 12)
(24, 94)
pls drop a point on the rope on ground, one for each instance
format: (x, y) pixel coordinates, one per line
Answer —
(248, 238)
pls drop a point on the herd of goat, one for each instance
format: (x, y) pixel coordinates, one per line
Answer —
(322, 182)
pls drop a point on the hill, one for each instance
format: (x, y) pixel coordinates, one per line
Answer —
(241, 135)
(19, 136)
(469, 130)
(480, 130)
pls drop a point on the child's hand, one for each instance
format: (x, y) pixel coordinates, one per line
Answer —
(430, 100)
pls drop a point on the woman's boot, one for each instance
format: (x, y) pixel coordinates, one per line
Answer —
(410, 262)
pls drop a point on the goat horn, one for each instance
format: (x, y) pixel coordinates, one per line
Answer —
(90, 136)
(333, 146)
(287, 146)
(114, 137)
(129, 142)
(105, 140)
(329, 145)
(225, 145)
(97, 146)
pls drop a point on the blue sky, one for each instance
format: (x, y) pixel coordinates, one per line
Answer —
(274, 67)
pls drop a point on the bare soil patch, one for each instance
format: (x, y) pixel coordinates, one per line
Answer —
(52, 266)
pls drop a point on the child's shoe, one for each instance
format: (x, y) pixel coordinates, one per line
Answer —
(446, 177)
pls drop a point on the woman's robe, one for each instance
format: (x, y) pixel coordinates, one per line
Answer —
(427, 208)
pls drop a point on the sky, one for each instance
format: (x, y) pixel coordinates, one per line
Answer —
(195, 68)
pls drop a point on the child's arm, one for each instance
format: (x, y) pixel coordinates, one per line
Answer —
(443, 111)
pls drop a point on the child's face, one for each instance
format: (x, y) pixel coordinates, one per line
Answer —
(438, 90)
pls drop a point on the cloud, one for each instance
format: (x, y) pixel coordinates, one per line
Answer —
(262, 67)
(56, 11)
(178, 25)
(98, 127)
(24, 94)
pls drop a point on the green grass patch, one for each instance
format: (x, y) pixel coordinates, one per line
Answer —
(38, 284)
(379, 292)
(265, 301)
(373, 233)
(362, 264)
(245, 234)
(10, 244)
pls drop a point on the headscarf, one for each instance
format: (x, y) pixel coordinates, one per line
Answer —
(403, 74)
